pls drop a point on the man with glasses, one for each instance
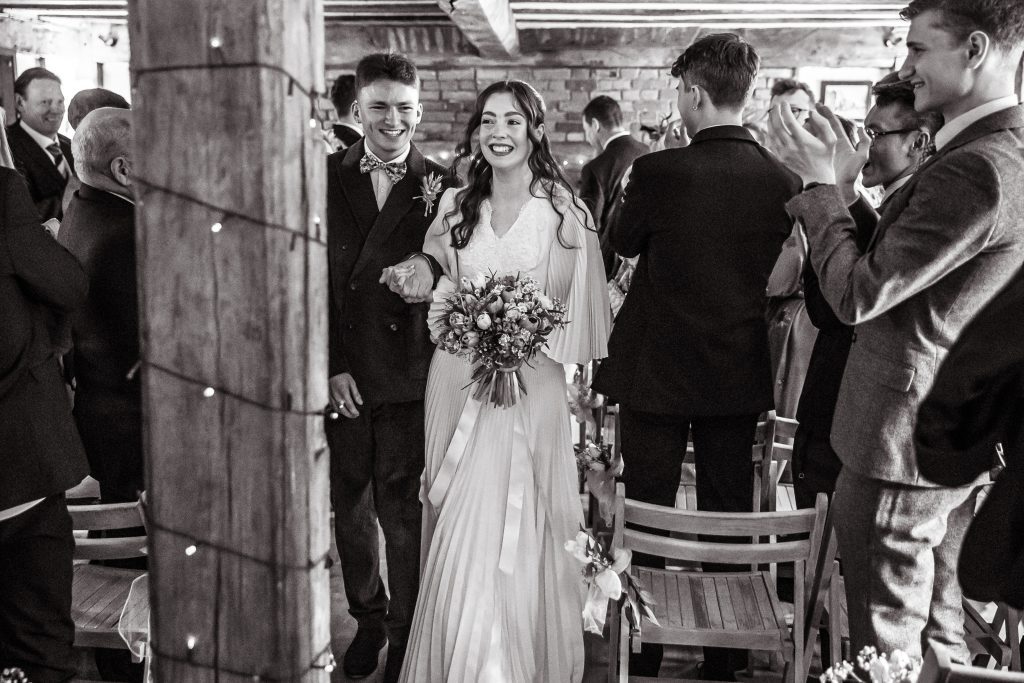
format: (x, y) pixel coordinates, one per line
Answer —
(900, 141)
(796, 95)
(946, 243)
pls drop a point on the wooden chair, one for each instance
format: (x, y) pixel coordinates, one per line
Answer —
(777, 452)
(99, 592)
(939, 668)
(738, 609)
(997, 642)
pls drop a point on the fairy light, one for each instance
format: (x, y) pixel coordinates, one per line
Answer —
(312, 123)
(190, 642)
(215, 42)
(216, 227)
(208, 392)
(191, 550)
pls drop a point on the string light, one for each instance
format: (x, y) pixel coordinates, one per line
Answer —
(216, 227)
(215, 42)
(208, 392)
(191, 550)
(190, 642)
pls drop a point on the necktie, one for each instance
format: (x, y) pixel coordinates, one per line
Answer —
(395, 170)
(55, 152)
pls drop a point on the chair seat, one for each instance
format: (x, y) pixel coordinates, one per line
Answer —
(98, 595)
(706, 608)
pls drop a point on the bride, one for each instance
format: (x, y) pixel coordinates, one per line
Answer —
(500, 599)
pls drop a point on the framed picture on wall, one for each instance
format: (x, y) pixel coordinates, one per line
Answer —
(849, 99)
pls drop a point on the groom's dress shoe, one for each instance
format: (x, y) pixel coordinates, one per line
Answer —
(361, 657)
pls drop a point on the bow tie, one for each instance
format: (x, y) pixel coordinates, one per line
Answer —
(394, 169)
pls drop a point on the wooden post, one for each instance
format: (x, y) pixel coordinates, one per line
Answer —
(233, 283)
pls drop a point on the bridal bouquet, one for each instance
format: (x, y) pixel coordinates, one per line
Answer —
(499, 323)
(601, 571)
(13, 676)
(899, 667)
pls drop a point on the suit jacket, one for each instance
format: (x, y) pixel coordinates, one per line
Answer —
(45, 183)
(346, 135)
(976, 402)
(99, 229)
(374, 335)
(601, 187)
(708, 222)
(40, 452)
(945, 244)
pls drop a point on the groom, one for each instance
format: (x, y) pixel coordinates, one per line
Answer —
(379, 356)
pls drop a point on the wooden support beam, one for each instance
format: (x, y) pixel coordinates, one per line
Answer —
(232, 287)
(488, 24)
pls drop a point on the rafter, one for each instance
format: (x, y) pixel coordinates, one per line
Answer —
(489, 24)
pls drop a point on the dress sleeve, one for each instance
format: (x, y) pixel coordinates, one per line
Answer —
(576, 277)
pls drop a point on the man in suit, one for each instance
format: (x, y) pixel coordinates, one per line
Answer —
(690, 347)
(343, 95)
(945, 244)
(99, 229)
(380, 352)
(601, 177)
(901, 139)
(39, 447)
(41, 155)
(81, 104)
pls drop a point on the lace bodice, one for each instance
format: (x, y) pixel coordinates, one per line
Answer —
(522, 249)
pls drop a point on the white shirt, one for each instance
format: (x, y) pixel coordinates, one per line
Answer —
(13, 512)
(615, 136)
(45, 142)
(381, 182)
(895, 185)
(958, 125)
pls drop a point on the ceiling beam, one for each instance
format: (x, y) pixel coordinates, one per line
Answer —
(488, 24)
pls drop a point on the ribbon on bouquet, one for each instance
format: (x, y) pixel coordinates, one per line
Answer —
(519, 474)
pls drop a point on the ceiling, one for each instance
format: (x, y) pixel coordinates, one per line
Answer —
(543, 14)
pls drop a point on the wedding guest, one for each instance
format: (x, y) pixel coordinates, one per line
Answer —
(379, 354)
(971, 422)
(795, 94)
(346, 130)
(81, 104)
(601, 177)
(40, 450)
(41, 155)
(950, 239)
(901, 140)
(689, 350)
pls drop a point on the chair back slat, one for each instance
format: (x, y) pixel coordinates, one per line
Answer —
(720, 523)
(723, 553)
(110, 548)
(105, 516)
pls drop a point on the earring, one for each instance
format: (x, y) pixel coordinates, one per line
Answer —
(695, 107)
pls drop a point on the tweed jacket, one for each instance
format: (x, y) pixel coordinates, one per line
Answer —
(945, 244)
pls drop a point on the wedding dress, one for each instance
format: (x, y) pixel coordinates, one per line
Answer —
(500, 599)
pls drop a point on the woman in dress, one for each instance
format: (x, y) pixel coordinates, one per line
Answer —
(500, 599)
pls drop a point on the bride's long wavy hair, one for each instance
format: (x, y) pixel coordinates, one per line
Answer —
(546, 172)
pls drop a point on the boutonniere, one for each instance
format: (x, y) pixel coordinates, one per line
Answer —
(430, 186)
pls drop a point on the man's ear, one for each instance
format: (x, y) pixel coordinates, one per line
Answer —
(922, 141)
(978, 47)
(121, 170)
(19, 103)
(356, 114)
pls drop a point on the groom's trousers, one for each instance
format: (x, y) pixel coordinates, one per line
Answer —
(376, 463)
(653, 447)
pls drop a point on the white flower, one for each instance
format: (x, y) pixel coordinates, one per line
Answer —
(879, 670)
(609, 583)
(483, 321)
(577, 547)
(544, 301)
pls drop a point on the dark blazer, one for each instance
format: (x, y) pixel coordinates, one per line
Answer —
(347, 135)
(708, 222)
(99, 229)
(601, 187)
(374, 335)
(945, 244)
(40, 452)
(45, 183)
(976, 402)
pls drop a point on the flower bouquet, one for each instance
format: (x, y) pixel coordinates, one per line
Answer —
(13, 676)
(601, 571)
(598, 468)
(499, 323)
(899, 667)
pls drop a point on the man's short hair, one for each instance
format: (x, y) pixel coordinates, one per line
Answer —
(343, 93)
(892, 91)
(605, 111)
(784, 86)
(103, 135)
(723, 64)
(85, 101)
(386, 66)
(34, 74)
(1001, 20)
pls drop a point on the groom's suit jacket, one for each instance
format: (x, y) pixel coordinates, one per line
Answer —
(708, 222)
(945, 244)
(45, 182)
(373, 334)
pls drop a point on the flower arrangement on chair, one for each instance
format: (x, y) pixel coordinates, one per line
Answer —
(898, 667)
(13, 676)
(602, 571)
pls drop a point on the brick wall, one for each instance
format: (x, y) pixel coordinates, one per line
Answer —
(646, 94)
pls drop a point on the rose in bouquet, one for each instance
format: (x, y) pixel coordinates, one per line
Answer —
(499, 323)
(601, 570)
